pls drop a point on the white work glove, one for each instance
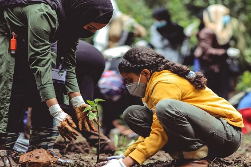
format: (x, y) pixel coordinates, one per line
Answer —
(77, 101)
(116, 157)
(115, 163)
(63, 122)
(233, 52)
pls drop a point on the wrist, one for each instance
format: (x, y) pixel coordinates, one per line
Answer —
(58, 114)
(55, 110)
(77, 101)
(129, 161)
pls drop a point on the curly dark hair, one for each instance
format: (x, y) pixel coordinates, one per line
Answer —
(139, 58)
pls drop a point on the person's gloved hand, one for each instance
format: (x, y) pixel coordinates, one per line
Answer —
(115, 162)
(233, 52)
(79, 105)
(63, 122)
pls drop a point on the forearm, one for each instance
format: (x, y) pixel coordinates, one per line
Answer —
(74, 94)
(71, 84)
(51, 102)
(216, 52)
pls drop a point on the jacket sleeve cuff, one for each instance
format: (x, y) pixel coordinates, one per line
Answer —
(47, 92)
(128, 151)
(138, 156)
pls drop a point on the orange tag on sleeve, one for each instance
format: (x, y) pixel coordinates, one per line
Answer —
(13, 43)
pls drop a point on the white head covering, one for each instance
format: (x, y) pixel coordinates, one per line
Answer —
(213, 19)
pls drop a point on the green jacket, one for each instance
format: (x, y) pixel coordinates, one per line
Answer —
(39, 23)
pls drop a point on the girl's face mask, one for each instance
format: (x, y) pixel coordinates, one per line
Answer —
(137, 89)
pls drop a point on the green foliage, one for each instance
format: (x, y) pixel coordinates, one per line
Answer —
(87, 109)
(244, 81)
(185, 12)
(121, 142)
(98, 100)
(138, 10)
(92, 103)
(92, 114)
(93, 108)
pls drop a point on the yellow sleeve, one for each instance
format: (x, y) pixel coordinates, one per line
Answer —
(158, 137)
(133, 146)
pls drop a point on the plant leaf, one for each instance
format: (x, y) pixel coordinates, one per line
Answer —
(131, 142)
(87, 109)
(124, 141)
(116, 140)
(92, 115)
(98, 100)
(92, 103)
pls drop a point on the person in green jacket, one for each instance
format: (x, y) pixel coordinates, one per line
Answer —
(40, 23)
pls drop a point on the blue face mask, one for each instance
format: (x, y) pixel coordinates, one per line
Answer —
(160, 24)
(226, 19)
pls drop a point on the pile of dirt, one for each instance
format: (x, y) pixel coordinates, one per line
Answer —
(38, 157)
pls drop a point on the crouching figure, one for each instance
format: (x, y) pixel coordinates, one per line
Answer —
(181, 115)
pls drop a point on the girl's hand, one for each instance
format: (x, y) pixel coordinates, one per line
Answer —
(129, 161)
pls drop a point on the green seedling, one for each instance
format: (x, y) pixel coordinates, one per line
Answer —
(92, 114)
(120, 141)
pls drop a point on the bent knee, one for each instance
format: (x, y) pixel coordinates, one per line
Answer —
(166, 107)
(129, 112)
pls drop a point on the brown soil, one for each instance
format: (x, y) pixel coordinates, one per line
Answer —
(85, 156)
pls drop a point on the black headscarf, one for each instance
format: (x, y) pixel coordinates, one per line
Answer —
(87, 11)
(162, 14)
(79, 13)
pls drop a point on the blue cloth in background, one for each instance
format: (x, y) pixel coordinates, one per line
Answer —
(245, 102)
(196, 64)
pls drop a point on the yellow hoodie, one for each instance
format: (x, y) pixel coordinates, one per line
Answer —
(167, 85)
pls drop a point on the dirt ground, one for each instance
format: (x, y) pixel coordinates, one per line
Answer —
(84, 156)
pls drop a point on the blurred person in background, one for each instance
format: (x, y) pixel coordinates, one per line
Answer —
(122, 30)
(213, 48)
(166, 36)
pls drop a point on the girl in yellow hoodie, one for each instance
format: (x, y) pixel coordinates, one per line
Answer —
(181, 115)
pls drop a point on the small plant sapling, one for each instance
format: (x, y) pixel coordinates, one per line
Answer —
(93, 114)
(121, 143)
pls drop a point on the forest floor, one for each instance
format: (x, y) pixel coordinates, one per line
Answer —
(85, 156)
